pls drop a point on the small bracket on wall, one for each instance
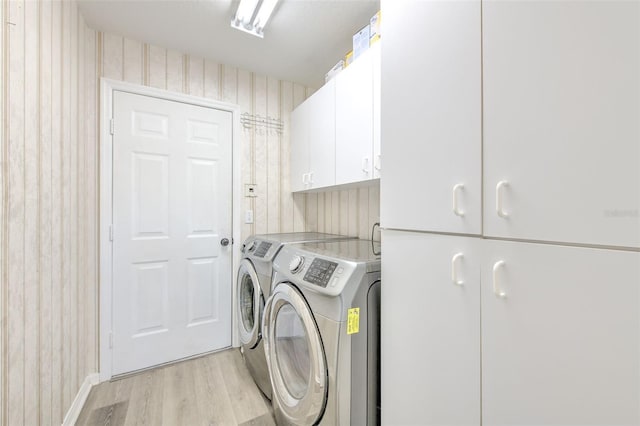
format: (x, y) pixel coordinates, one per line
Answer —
(250, 190)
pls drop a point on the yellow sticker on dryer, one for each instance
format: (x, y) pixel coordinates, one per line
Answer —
(353, 320)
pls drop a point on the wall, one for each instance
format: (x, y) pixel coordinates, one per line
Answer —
(266, 155)
(48, 280)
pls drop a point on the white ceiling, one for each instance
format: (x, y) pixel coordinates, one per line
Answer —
(302, 40)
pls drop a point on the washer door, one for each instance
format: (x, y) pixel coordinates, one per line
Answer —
(250, 304)
(295, 356)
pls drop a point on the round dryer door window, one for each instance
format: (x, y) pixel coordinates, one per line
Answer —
(295, 356)
(249, 304)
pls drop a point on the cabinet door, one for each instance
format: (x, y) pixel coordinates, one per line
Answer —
(431, 119)
(322, 136)
(354, 121)
(430, 330)
(376, 60)
(561, 112)
(563, 346)
(299, 147)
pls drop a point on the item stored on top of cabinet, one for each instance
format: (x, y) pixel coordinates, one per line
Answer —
(374, 28)
(339, 66)
(361, 42)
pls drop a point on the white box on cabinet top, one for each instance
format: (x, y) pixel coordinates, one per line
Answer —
(561, 121)
(431, 116)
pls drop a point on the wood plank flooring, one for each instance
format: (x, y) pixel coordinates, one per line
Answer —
(213, 390)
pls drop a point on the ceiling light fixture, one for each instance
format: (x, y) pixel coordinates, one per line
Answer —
(252, 16)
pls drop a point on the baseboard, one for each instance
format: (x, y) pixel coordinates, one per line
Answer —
(76, 407)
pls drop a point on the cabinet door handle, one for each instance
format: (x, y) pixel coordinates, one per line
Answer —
(377, 163)
(499, 191)
(305, 178)
(310, 178)
(454, 270)
(365, 165)
(496, 288)
(456, 210)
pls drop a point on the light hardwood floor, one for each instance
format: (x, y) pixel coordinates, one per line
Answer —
(213, 390)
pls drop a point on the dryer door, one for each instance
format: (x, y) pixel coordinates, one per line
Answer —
(250, 304)
(295, 356)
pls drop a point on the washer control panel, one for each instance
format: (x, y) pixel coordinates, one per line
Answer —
(320, 272)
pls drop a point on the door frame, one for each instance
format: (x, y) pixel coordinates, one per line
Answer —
(105, 302)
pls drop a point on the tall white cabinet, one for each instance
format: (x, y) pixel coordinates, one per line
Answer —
(534, 108)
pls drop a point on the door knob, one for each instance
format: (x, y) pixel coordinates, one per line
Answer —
(224, 242)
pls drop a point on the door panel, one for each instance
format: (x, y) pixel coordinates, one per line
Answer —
(431, 119)
(299, 147)
(171, 207)
(202, 291)
(563, 346)
(322, 136)
(354, 121)
(561, 109)
(430, 329)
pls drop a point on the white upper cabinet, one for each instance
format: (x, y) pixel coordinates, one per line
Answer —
(299, 147)
(335, 134)
(313, 149)
(322, 137)
(431, 116)
(560, 335)
(354, 120)
(561, 121)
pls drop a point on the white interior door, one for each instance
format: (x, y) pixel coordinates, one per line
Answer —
(172, 189)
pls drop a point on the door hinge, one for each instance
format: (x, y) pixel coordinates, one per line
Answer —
(111, 232)
(111, 340)
(112, 126)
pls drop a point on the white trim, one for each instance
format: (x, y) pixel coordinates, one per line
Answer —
(74, 411)
(107, 87)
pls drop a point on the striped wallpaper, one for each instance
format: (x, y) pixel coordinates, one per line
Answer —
(48, 291)
(50, 68)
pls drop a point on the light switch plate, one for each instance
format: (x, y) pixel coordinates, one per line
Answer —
(248, 216)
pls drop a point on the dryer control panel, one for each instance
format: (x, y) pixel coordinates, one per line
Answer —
(320, 272)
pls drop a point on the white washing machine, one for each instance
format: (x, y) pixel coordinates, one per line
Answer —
(254, 284)
(321, 329)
